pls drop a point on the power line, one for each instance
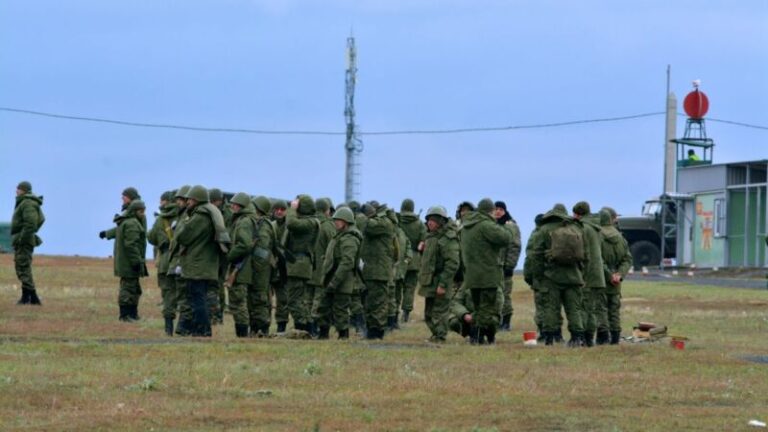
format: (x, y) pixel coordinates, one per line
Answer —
(373, 133)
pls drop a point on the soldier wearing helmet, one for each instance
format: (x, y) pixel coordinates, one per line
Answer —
(160, 237)
(239, 274)
(439, 263)
(340, 271)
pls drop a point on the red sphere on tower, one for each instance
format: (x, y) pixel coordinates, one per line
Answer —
(696, 104)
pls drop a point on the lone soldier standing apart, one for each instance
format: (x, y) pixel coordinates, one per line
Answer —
(509, 256)
(129, 255)
(27, 220)
(482, 240)
(438, 267)
(340, 274)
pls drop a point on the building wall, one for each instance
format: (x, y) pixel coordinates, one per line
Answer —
(746, 227)
(708, 247)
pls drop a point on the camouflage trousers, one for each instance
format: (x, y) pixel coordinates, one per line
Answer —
(592, 299)
(334, 309)
(297, 292)
(506, 308)
(280, 294)
(392, 298)
(563, 296)
(356, 301)
(182, 299)
(487, 307)
(312, 300)
(259, 306)
(540, 302)
(406, 289)
(376, 304)
(167, 286)
(238, 303)
(436, 314)
(130, 291)
(213, 300)
(22, 260)
(609, 317)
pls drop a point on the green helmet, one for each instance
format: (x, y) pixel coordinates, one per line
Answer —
(241, 198)
(486, 205)
(322, 205)
(407, 206)
(215, 194)
(262, 204)
(182, 192)
(345, 214)
(437, 211)
(306, 205)
(279, 204)
(198, 193)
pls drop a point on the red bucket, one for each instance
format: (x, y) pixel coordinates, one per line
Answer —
(529, 338)
(678, 344)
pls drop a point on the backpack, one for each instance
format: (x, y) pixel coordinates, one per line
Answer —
(566, 244)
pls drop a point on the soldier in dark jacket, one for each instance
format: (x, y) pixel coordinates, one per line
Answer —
(416, 232)
(378, 255)
(302, 229)
(278, 288)
(594, 280)
(509, 255)
(27, 220)
(340, 274)
(617, 261)
(129, 194)
(482, 240)
(129, 255)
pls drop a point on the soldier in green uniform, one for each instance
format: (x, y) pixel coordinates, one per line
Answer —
(129, 194)
(378, 256)
(27, 219)
(439, 264)
(129, 258)
(199, 256)
(482, 240)
(239, 280)
(556, 260)
(617, 261)
(302, 229)
(594, 280)
(279, 268)
(327, 231)
(416, 232)
(404, 257)
(264, 255)
(460, 316)
(184, 324)
(510, 255)
(539, 298)
(217, 297)
(340, 272)
(356, 308)
(160, 237)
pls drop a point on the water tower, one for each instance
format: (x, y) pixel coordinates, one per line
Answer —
(694, 148)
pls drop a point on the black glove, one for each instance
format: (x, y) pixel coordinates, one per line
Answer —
(137, 268)
(103, 235)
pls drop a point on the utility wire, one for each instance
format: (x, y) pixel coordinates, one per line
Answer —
(373, 133)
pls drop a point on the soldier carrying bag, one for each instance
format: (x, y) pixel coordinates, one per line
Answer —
(566, 244)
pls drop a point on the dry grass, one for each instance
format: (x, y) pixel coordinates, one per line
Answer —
(70, 365)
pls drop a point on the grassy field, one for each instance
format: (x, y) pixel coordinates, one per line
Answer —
(70, 365)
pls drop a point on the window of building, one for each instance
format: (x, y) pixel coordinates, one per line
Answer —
(720, 217)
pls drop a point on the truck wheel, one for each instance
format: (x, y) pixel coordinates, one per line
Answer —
(644, 254)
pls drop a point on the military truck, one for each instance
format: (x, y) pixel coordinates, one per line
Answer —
(644, 232)
(5, 237)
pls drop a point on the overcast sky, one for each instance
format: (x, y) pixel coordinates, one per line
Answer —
(422, 65)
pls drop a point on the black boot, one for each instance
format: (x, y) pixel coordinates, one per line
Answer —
(395, 321)
(577, 340)
(549, 338)
(134, 310)
(241, 330)
(324, 332)
(264, 332)
(125, 314)
(375, 334)
(359, 322)
(34, 299)
(474, 335)
(169, 326)
(182, 327)
(506, 321)
(406, 316)
(281, 325)
(558, 335)
(25, 297)
(344, 334)
(603, 337)
(615, 337)
(540, 338)
(313, 330)
(254, 329)
(490, 336)
(589, 340)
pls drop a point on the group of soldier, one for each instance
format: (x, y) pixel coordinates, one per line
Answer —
(355, 266)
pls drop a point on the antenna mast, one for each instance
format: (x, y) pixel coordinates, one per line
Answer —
(353, 146)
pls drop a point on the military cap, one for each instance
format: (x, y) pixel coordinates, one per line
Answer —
(131, 193)
(501, 205)
(25, 186)
(407, 206)
(581, 208)
(485, 205)
(215, 194)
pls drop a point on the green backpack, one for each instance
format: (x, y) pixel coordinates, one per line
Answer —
(566, 244)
